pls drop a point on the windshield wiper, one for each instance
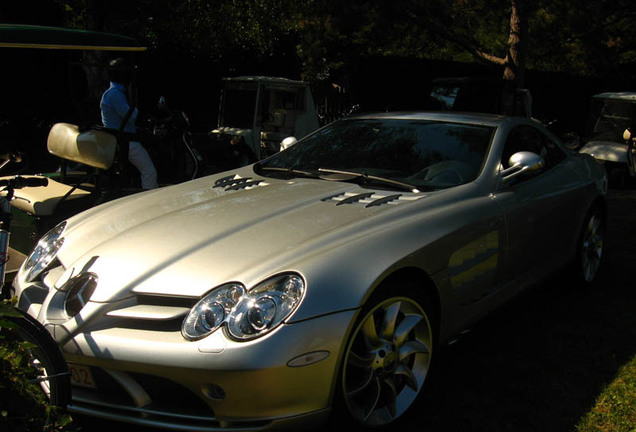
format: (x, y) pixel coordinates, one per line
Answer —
(351, 175)
(290, 171)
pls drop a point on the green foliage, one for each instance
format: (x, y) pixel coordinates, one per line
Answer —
(226, 31)
(563, 36)
(329, 35)
(23, 405)
(593, 37)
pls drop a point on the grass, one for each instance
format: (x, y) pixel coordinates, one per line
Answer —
(615, 408)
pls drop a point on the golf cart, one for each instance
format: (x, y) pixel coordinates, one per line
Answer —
(37, 209)
(611, 117)
(257, 113)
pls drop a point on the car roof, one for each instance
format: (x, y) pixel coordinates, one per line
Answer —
(448, 116)
(266, 79)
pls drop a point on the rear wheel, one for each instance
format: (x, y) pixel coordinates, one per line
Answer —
(387, 359)
(590, 246)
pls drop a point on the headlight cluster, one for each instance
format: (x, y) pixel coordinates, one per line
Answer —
(44, 252)
(246, 314)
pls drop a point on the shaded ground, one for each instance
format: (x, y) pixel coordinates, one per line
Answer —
(539, 363)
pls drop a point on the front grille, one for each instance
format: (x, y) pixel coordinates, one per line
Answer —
(172, 301)
(173, 325)
(156, 313)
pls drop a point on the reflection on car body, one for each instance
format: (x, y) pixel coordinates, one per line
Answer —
(318, 283)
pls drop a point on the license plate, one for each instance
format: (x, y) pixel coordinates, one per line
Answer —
(81, 376)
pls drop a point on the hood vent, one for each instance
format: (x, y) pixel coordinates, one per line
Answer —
(370, 199)
(234, 182)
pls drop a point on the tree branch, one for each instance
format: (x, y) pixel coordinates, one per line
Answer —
(605, 22)
(466, 44)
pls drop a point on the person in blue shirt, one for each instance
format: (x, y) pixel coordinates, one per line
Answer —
(115, 108)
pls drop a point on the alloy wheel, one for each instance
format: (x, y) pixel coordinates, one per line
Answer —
(387, 361)
(592, 247)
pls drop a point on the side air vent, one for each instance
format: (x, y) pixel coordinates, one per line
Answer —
(370, 199)
(235, 182)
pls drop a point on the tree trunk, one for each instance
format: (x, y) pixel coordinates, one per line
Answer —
(512, 101)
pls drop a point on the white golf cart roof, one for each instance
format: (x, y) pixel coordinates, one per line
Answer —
(43, 37)
(625, 96)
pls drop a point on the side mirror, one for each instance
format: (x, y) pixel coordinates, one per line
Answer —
(522, 162)
(287, 142)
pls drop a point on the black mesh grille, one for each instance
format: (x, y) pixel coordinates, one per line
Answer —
(167, 398)
(107, 391)
(167, 395)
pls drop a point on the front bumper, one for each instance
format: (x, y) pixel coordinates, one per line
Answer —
(148, 374)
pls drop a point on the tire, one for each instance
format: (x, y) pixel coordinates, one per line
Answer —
(589, 254)
(386, 360)
(46, 358)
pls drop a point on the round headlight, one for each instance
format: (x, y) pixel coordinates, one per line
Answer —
(44, 252)
(261, 313)
(211, 311)
(264, 307)
(247, 314)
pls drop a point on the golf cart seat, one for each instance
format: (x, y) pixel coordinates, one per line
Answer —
(93, 148)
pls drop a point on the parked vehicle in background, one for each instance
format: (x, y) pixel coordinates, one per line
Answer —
(257, 112)
(317, 283)
(610, 115)
(474, 94)
(53, 73)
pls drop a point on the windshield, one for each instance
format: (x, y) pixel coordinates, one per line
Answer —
(426, 154)
(609, 119)
(239, 103)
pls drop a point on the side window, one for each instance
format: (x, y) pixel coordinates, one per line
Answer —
(555, 153)
(527, 138)
(521, 138)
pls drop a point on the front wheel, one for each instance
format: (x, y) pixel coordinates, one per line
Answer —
(387, 360)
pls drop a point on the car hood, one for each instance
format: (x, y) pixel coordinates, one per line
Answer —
(186, 239)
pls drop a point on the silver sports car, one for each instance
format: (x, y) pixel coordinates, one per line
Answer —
(318, 283)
